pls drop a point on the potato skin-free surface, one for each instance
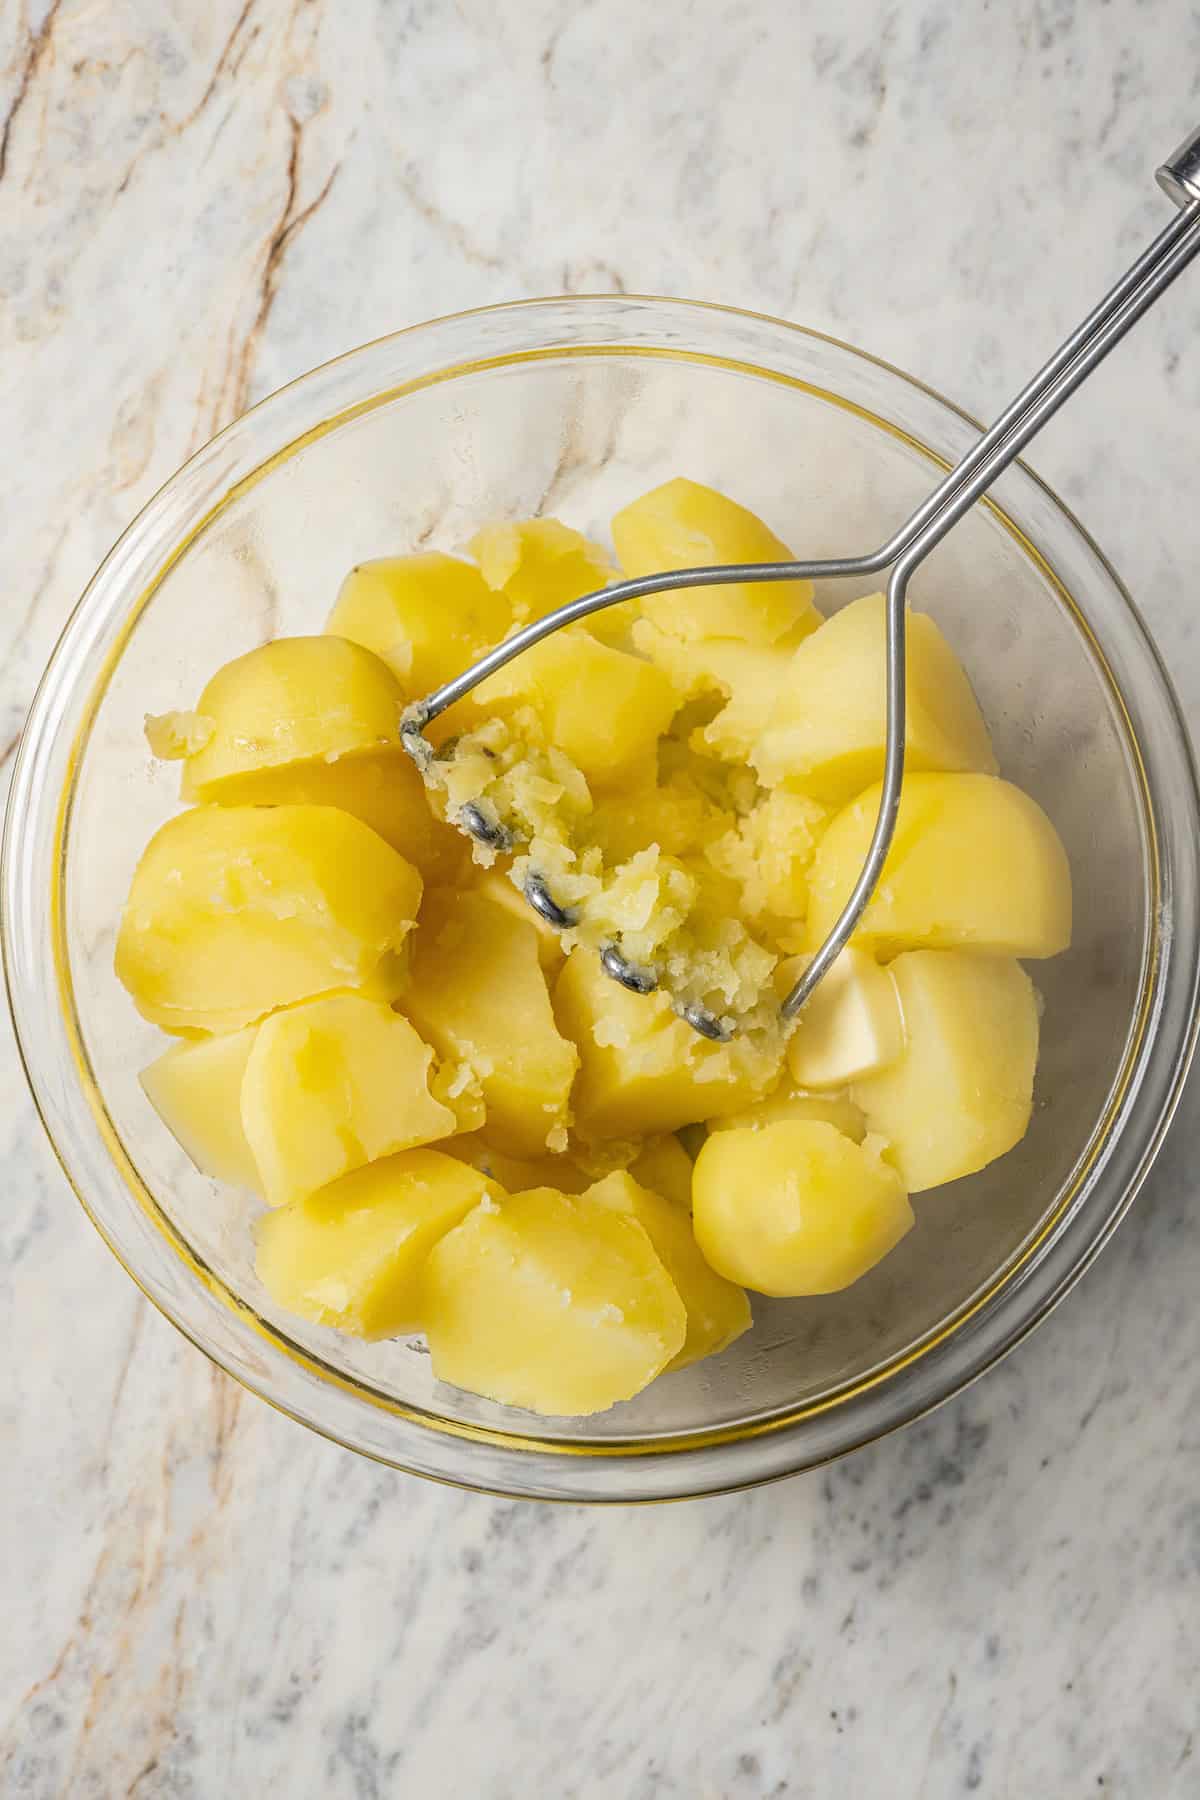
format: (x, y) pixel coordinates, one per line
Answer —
(826, 733)
(796, 1208)
(236, 910)
(294, 701)
(975, 864)
(683, 524)
(961, 1094)
(478, 994)
(554, 1302)
(353, 1254)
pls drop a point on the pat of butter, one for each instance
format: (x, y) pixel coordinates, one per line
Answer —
(852, 1026)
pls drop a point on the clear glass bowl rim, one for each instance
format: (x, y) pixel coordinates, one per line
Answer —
(68, 1101)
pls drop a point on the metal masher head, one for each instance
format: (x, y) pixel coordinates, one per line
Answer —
(1165, 258)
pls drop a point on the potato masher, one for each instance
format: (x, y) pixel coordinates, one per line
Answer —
(1039, 400)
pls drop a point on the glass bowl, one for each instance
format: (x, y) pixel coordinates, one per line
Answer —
(571, 407)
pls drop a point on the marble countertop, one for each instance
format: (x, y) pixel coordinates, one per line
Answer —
(201, 199)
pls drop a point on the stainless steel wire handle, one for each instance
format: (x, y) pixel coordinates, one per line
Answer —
(1153, 272)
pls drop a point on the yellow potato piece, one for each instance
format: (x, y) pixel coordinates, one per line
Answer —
(796, 1208)
(550, 1301)
(235, 911)
(682, 525)
(642, 1070)
(332, 1084)
(296, 700)
(478, 994)
(603, 708)
(664, 1166)
(382, 788)
(850, 1027)
(827, 731)
(788, 1102)
(196, 1090)
(493, 884)
(353, 1255)
(975, 864)
(962, 1093)
(539, 564)
(428, 616)
(717, 1310)
(516, 1173)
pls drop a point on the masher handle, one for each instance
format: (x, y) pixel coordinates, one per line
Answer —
(1153, 272)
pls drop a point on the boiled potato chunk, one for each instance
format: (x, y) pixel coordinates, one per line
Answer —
(428, 616)
(850, 1027)
(717, 1310)
(975, 864)
(827, 731)
(196, 1090)
(478, 994)
(962, 1092)
(296, 700)
(235, 911)
(601, 707)
(682, 525)
(539, 564)
(642, 1070)
(796, 1208)
(789, 1102)
(494, 885)
(332, 1084)
(382, 788)
(353, 1255)
(664, 1166)
(554, 1302)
